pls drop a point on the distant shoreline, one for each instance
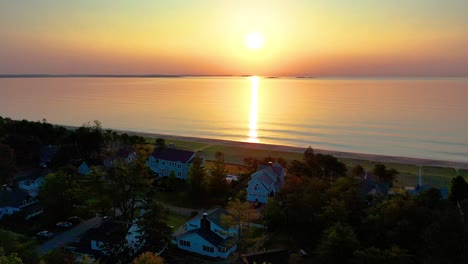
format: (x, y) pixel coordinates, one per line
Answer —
(338, 154)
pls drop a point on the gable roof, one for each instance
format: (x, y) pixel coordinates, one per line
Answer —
(172, 154)
(12, 198)
(213, 215)
(206, 234)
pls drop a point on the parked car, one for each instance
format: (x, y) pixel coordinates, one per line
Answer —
(64, 224)
(74, 220)
(45, 234)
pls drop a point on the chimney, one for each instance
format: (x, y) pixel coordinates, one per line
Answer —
(205, 223)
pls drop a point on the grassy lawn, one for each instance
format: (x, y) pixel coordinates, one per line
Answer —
(176, 220)
(179, 198)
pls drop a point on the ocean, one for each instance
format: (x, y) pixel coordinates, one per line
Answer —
(411, 117)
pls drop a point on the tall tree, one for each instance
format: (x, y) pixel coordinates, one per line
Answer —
(358, 172)
(458, 189)
(384, 174)
(7, 163)
(154, 232)
(338, 244)
(160, 143)
(218, 184)
(58, 194)
(238, 215)
(197, 177)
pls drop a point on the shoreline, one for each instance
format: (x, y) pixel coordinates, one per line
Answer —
(283, 148)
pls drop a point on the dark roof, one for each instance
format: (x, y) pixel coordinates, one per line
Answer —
(108, 232)
(272, 257)
(32, 174)
(172, 154)
(213, 215)
(125, 152)
(208, 235)
(12, 198)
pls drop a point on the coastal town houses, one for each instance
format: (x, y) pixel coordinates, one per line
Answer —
(128, 155)
(167, 160)
(265, 182)
(30, 181)
(18, 201)
(205, 235)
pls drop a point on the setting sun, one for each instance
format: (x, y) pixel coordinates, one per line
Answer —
(254, 41)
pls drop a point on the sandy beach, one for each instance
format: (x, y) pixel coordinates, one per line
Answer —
(339, 154)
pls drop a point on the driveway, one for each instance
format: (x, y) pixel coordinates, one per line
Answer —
(69, 236)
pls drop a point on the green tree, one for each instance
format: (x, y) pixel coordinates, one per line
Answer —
(338, 244)
(238, 215)
(358, 172)
(197, 177)
(218, 185)
(458, 189)
(7, 163)
(58, 194)
(148, 258)
(13, 258)
(95, 191)
(154, 232)
(160, 143)
(384, 174)
(59, 256)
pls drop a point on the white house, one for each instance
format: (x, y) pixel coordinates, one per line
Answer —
(31, 180)
(265, 182)
(128, 155)
(163, 161)
(16, 201)
(205, 235)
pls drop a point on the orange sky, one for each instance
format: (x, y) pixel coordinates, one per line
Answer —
(364, 38)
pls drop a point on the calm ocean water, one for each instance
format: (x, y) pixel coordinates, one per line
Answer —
(423, 118)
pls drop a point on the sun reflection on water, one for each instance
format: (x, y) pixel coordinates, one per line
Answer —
(253, 136)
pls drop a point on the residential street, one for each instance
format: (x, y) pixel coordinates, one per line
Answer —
(69, 236)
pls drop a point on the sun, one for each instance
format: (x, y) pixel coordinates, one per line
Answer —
(254, 41)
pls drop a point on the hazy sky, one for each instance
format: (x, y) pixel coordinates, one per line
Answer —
(315, 37)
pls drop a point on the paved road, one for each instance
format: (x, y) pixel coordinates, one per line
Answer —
(69, 236)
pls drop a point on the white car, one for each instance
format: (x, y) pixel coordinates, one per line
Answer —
(45, 234)
(65, 224)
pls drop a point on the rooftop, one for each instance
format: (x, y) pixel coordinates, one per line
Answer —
(171, 154)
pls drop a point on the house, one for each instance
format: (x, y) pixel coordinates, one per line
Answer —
(84, 169)
(372, 187)
(18, 201)
(265, 182)
(46, 155)
(30, 181)
(128, 155)
(98, 241)
(205, 235)
(164, 161)
(419, 188)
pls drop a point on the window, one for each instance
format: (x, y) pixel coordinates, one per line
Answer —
(222, 250)
(184, 243)
(179, 174)
(208, 249)
(256, 187)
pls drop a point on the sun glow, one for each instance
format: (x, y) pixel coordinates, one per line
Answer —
(254, 41)
(253, 136)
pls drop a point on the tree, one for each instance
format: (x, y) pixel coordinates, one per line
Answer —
(59, 256)
(238, 214)
(218, 185)
(197, 177)
(160, 143)
(338, 244)
(7, 163)
(13, 258)
(357, 172)
(154, 232)
(384, 174)
(148, 258)
(58, 194)
(458, 189)
(95, 191)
